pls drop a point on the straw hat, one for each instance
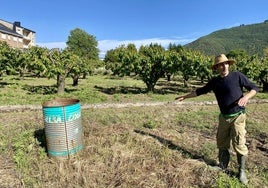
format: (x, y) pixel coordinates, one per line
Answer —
(222, 59)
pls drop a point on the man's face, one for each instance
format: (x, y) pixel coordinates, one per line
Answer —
(223, 69)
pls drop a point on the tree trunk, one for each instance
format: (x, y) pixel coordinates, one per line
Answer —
(75, 79)
(61, 84)
(185, 80)
(185, 83)
(21, 75)
(150, 87)
(8, 72)
(168, 77)
(84, 75)
(265, 86)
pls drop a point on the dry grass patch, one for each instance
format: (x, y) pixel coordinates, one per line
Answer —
(120, 152)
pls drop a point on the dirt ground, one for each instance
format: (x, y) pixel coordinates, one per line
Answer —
(9, 178)
(258, 146)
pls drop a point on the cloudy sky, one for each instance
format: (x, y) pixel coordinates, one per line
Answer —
(116, 22)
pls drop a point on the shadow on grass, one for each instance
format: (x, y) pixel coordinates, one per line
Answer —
(41, 138)
(185, 152)
(3, 84)
(121, 90)
(138, 90)
(44, 90)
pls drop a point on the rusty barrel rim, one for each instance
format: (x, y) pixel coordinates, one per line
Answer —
(59, 102)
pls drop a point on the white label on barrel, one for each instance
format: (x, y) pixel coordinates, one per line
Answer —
(74, 116)
(58, 119)
(53, 119)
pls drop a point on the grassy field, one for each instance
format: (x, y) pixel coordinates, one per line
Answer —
(93, 90)
(168, 145)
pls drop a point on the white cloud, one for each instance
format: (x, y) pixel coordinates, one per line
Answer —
(105, 45)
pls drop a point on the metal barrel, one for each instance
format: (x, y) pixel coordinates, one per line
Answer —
(63, 127)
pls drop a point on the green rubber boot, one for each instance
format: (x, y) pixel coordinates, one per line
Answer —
(224, 158)
(241, 159)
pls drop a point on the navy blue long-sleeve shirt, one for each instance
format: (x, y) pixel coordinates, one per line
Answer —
(228, 90)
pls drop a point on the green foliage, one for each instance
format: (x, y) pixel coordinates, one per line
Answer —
(152, 62)
(8, 57)
(23, 145)
(252, 38)
(61, 64)
(37, 61)
(84, 46)
(224, 181)
(149, 124)
(254, 67)
(149, 62)
(194, 63)
(27, 154)
(122, 60)
(151, 65)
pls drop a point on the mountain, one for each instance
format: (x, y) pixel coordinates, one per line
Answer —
(253, 38)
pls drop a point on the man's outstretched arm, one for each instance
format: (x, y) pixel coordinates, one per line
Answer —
(190, 95)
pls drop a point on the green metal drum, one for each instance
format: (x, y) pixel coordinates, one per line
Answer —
(63, 127)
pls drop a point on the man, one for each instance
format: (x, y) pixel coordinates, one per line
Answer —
(228, 89)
